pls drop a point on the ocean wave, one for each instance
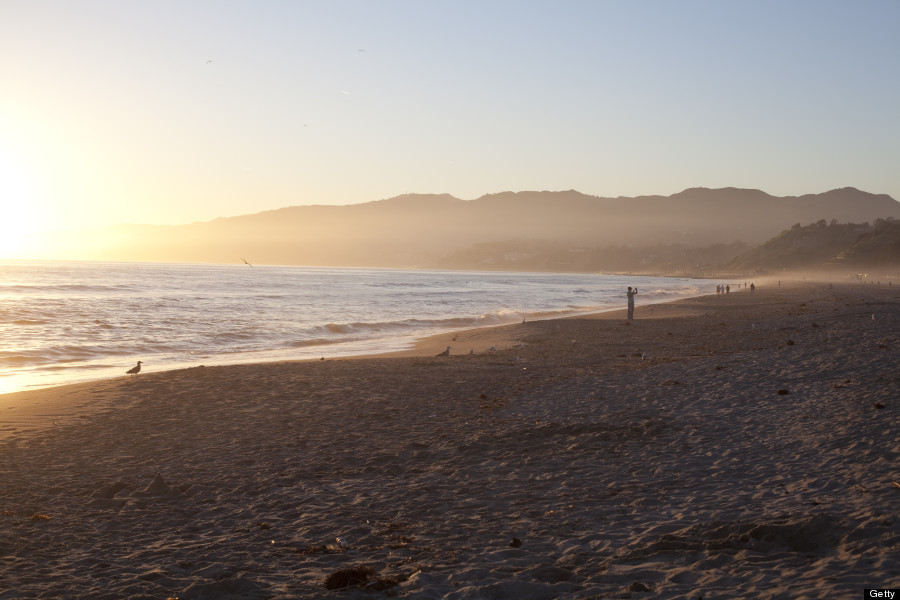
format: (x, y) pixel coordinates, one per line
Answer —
(325, 334)
(234, 336)
(59, 355)
(670, 293)
(65, 287)
(406, 284)
(14, 359)
(312, 342)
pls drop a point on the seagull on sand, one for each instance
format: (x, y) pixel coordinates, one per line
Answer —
(246, 263)
(134, 370)
(445, 352)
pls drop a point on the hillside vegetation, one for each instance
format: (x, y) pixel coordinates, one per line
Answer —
(826, 246)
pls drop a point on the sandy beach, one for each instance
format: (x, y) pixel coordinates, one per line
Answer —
(734, 446)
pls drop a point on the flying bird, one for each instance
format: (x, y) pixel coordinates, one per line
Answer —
(246, 263)
(134, 370)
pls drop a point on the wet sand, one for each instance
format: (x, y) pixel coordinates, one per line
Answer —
(725, 446)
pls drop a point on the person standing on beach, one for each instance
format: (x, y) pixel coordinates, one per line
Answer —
(631, 295)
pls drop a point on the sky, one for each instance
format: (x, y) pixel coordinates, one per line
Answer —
(170, 112)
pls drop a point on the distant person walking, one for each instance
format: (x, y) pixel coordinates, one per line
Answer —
(631, 295)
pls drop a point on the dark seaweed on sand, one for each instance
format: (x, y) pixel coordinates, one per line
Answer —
(360, 576)
(349, 577)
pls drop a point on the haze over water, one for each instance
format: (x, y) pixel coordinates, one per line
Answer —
(64, 322)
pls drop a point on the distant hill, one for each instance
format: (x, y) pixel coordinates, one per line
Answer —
(824, 245)
(427, 230)
(879, 247)
(662, 259)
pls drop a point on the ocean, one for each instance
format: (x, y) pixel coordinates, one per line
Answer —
(67, 322)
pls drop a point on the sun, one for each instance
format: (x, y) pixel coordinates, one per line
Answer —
(18, 206)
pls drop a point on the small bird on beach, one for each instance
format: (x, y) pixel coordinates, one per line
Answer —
(445, 352)
(134, 370)
(246, 263)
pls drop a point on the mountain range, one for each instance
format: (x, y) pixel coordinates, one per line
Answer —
(439, 230)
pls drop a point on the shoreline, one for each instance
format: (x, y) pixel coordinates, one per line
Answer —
(418, 345)
(38, 357)
(723, 446)
(35, 408)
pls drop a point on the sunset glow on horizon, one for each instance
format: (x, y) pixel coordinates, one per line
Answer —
(171, 113)
(21, 202)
